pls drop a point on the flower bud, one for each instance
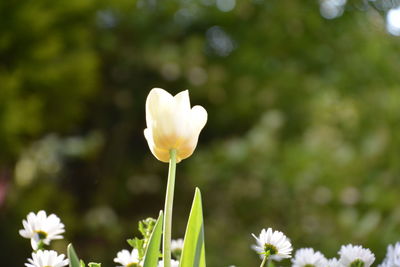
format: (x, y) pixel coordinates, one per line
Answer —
(172, 124)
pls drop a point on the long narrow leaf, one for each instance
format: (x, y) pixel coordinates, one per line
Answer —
(153, 248)
(193, 254)
(73, 258)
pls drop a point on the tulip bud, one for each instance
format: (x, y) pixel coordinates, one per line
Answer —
(172, 124)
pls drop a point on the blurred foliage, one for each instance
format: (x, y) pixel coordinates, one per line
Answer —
(303, 132)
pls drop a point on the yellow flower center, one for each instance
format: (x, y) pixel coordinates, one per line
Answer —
(271, 249)
(42, 235)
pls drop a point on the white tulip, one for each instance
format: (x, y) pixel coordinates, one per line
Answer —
(172, 124)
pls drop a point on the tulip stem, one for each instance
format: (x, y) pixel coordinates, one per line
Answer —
(169, 199)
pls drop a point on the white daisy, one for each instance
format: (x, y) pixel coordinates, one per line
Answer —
(333, 263)
(42, 228)
(176, 247)
(355, 256)
(392, 258)
(128, 259)
(273, 242)
(174, 263)
(307, 257)
(47, 258)
(177, 244)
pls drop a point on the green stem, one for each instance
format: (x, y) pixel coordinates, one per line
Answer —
(40, 246)
(266, 257)
(264, 261)
(169, 199)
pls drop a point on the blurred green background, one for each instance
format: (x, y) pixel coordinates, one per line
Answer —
(303, 134)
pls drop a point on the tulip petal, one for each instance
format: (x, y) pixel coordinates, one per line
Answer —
(187, 148)
(160, 154)
(198, 118)
(182, 117)
(160, 117)
(157, 102)
(182, 101)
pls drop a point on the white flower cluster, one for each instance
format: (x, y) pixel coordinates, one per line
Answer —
(350, 256)
(274, 245)
(41, 230)
(132, 259)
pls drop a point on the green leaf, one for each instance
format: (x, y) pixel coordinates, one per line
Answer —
(193, 253)
(73, 258)
(132, 242)
(139, 245)
(94, 264)
(136, 243)
(153, 249)
(146, 227)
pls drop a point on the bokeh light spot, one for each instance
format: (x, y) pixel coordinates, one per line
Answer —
(331, 9)
(226, 5)
(393, 21)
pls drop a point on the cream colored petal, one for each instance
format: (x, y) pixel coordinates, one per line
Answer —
(160, 118)
(157, 102)
(182, 117)
(198, 118)
(187, 148)
(182, 101)
(159, 153)
(169, 120)
(166, 136)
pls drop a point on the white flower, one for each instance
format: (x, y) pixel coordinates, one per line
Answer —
(308, 257)
(392, 258)
(128, 259)
(275, 242)
(174, 263)
(47, 258)
(177, 245)
(38, 227)
(172, 124)
(351, 256)
(333, 263)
